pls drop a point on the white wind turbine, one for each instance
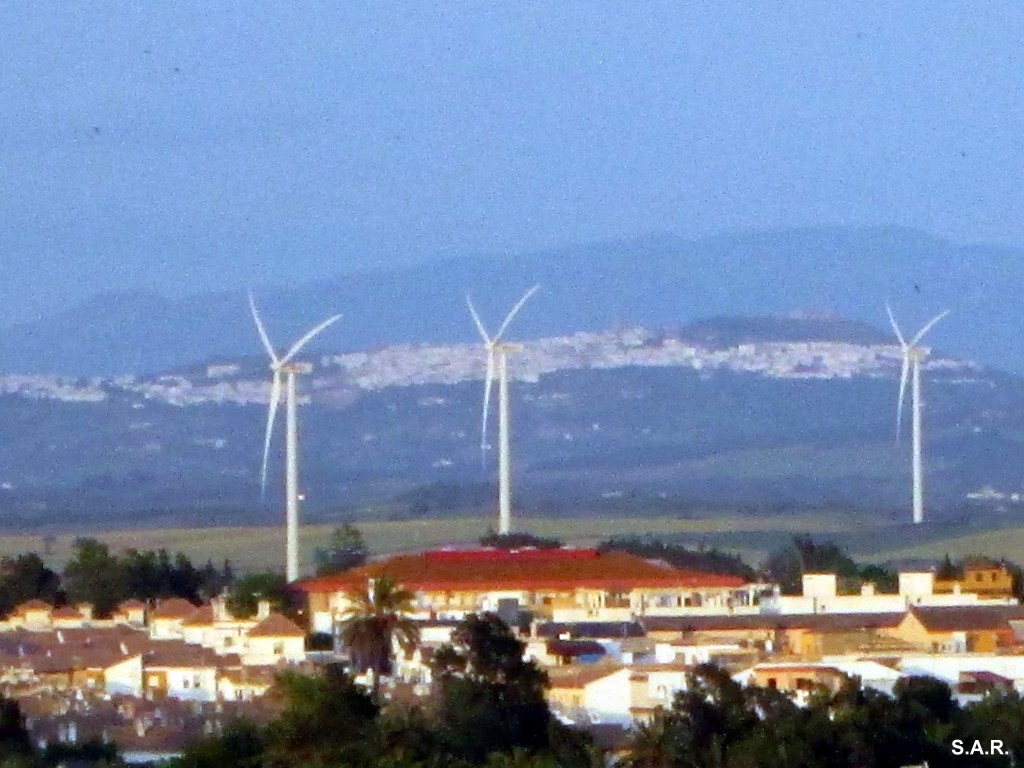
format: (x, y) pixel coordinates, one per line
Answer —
(497, 358)
(912, 357)
(284, 366)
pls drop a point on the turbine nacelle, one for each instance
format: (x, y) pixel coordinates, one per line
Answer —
(497, 350)
(912, 357)
(494, 345)
(281, 365)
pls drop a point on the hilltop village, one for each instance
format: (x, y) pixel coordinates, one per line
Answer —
(617, 635)
(411, 365)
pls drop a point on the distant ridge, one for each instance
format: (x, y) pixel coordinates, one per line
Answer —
(773, 411)
(653, 281)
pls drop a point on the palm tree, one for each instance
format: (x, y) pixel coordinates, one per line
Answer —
(376, 621)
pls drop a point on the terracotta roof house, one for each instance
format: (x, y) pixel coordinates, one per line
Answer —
(34, 613)
(167, 618)
(173, 608)
(276, 626)
(975, 629)
(246, 682)
(809, 636)
(274, 640)
(130, 611)
(67, 617)
(559, 584)
(612, 693)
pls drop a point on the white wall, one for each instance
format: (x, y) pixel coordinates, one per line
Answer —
(608, 700)
(125, 677)
(190, 683)
(271, 650)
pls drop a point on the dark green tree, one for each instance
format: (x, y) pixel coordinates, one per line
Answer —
(711, 560)
(787, 566)
(517, 540)
(26, 577)
(241, 745)
(95, 576)
(327, 721)
(15, 742)
(346, 550)
(247, 592)
(488, 698)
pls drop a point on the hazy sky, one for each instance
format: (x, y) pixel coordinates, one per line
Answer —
(196, 144)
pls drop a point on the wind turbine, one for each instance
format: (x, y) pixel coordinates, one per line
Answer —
(497, 359)
(912, 357)
(284, 366)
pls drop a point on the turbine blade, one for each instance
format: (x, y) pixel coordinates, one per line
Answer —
(895, 327)
(488, 384)
(477, 320)
(275, 398)
(262, 331)
(928, 326)
(515, 310)
(309, 337)
(904, 374)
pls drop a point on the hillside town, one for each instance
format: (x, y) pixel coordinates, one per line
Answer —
(413, 365)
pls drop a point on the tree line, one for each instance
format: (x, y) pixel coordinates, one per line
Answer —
(105, 579)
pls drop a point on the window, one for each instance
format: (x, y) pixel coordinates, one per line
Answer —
(278, 647)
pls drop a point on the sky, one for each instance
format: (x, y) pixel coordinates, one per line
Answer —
(197, 145)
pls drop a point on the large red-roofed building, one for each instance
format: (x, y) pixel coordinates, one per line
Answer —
(561, 584)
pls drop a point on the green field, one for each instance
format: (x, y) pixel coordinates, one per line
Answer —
(750, 536)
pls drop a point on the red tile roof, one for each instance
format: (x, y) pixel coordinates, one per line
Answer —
(580, 675)
(33, 605)
(174, 608)
(200, 617)
(532, 569)
(276, 625)
(67, 612)
(968, 617)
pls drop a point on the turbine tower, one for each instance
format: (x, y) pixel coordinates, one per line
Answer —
(912, 357)
(284, 366)
(497, 360)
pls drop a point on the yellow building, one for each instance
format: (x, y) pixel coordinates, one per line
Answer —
(980, 576)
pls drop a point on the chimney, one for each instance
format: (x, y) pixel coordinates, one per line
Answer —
(262, 609)
(86, 610)
(220, 608)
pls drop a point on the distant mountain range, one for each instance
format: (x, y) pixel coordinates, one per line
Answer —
(769, 411)
(654, 282)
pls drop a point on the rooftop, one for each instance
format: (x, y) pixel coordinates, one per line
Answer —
(276, 625)
(478, 569)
